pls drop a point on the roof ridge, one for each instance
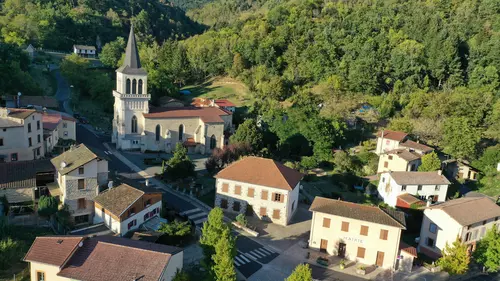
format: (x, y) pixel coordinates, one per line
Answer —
(135, 248)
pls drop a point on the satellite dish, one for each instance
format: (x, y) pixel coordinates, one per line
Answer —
(63, 165)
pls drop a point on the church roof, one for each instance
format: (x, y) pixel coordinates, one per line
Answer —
(132, 63)
(206, 114)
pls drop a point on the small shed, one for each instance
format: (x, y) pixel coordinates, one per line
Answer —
(31, 51)
(406, 256)
(85, 51)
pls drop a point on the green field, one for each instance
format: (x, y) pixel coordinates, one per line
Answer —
(220, 88)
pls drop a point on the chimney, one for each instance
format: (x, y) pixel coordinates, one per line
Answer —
(440, 172)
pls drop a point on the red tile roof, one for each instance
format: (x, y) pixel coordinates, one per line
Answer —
(392, 135)
(20, 113)
(53, 250)
(51, 120)
(224, 103)
(406, 200)
(416, 145)
(261, 171)
(206, 114)
(408, 249)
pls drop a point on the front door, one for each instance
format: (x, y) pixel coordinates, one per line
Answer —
(323, 245)
(249, 211)
(380, 259)
(341, 250)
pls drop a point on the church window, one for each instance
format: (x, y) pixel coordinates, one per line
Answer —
(181, 132)
(158, 130)
(213, 142)
(139, 90)
(134, 86)
(134, 125)
(127, 87)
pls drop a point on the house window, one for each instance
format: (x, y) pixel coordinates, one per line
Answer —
(223, 203)
(390, 157)
(181, 132)
(146, 216)
(276, 214)
(403, 187)
(131, 212)
(29, 142)
(433, 228)
(437, 188)
(468, 236)
(39, 139)
(29, 127)
(147, 203)
(38, 125)
(132, 224)
(213, 142)
(345, 226)
(158, 132)
(364, 230)
(419, 188)
(225, 187)
(81, 184)
(81, 203)
(65, 133)
(361, 252)
(134, 125)
(40, 276)
(326, 222)
(13, 157)
(386, 164)
(430, 242)
(65, 125)
(263, 195)
(81, 170)
(277, 197)
(1, 142)
(383, 234)
(237, 190)
(251, 192)
(263, 211)
(474, 235)
(236, 206)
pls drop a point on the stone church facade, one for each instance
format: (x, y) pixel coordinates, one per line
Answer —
(136, 126)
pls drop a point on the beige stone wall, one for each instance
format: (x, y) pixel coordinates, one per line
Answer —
(72, 193)
(353, 239)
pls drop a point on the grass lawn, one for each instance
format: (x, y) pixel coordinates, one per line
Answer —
(220, 88)
(26, 236)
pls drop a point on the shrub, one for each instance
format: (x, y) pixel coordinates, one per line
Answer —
(241, 220)
(10, 251)
(47, 206)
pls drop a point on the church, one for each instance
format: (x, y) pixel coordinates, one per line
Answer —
(139, 126)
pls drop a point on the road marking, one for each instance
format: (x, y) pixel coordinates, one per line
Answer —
(265, 251)
(261, 252)
(195, 216)
(250, 256)
(108, 152)
(239, 260)
(200, 221)
(270, 250)
(256, 254)
(236, 263)
(189, 212)
(244, 258)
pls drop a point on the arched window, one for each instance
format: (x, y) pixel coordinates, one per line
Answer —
(139, 90)
(213, 142)
(181, 132)
(134, 125)
(134, 86)
(127, 87)
(158, 132)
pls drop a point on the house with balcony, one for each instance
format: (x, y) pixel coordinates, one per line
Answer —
(85, 51)
(101, 258)
(80, 174)
(260, 187)
(426, 186)
(125, 208)
(468, 218)
(365, 234)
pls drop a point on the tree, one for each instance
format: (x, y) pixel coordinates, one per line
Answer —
(223, 259)
(343, 162)
(460, 137)
(10, 250)
(301, 273)
(488, 250)
(176, 228)
(180, 165)
(112, 52)
(47, 206)
(455, 259)
(488, 162)
(181, 275)
(248, 132)
(430, 162)
(211, 232)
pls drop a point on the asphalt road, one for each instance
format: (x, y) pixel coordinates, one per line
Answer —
(491, 277)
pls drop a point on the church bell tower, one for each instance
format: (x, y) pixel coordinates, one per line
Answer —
(131, 99)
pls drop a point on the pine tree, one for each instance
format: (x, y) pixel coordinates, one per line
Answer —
(223, 268)
(430, 162)
(301, 273)
(488, 250)
(455, 259)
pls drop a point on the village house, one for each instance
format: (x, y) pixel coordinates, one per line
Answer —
(390, 140)
(85, 51)
(261, 187)
(80, 174)
(136, 126)
(57, 126)
(431, 186)
(399, 160)
(468, 218)
(365, 234)
(21, 133)
(102, 258)
(125, 208)
(459, 169)
(223, 104)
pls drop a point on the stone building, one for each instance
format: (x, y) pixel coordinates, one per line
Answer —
(259, 187)
(136, 126)
(80, 174)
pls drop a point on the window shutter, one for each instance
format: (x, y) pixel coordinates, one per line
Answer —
(282, 198)
(237, 190)
(361, 252)
(345, 226)
(264, 195)
(251, 192)
(263, 211)
(326, 222)
(225, 187)
(273, 196)
(383, 234)
(364, 230)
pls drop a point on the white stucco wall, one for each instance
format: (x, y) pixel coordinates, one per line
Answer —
(67, 130)
(385, 144)
(49, 270)
(15, 139)
(175, 263)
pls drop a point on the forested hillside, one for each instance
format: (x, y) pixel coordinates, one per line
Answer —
(189, 4)
(58, 24)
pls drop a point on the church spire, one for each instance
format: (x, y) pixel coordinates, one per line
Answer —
(132, 54)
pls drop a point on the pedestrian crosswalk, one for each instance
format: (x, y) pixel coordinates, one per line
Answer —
(197, 215)
(108, 152)
(254, 255)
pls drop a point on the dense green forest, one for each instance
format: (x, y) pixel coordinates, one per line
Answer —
(189, 4)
